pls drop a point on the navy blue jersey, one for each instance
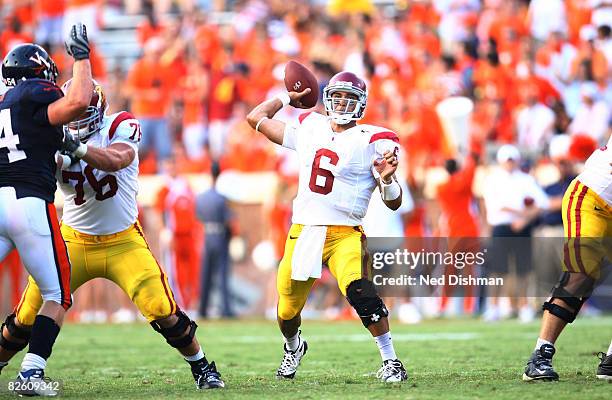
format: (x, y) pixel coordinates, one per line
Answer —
(28, 142)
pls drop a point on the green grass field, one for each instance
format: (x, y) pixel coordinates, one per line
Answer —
(460, 359)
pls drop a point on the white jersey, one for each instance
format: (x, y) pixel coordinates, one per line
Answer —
(336, 173)
(98, 202)
(597, 172)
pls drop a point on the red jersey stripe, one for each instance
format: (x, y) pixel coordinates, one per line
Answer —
(120, 118)
(384, 135)
(303, 116)
(566, 256)
(583, 192)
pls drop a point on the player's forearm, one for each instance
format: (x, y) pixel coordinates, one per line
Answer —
(77, 99)
(394, 204)
(81, 88)
(267, 109)
(391, 192)
(108, 159)
(261, 120)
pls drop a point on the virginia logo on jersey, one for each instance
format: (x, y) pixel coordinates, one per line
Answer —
(37, 58)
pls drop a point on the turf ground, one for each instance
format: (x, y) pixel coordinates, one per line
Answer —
(458, 359)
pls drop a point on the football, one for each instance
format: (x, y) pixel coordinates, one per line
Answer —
(298, 78)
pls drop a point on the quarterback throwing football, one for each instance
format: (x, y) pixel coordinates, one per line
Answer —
(340, 165)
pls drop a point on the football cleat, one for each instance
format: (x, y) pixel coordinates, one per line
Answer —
(392, 371)
(539, 367)
(2, 365)
(604, 370)
(206, 375)
(291, 361)
(32, 382)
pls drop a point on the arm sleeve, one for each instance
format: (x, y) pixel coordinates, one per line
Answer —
(381, 146)
(290, 136)
(292, 129)
(40, 94)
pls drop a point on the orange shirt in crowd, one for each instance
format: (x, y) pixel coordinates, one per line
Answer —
(146, 31)
(578, 14)
(10, 39)
(80, 3)
(151, 87)
(207, 43)
(24, 13)
(455, 197)
(194, 87)
(248, 151)
(177, 202)
(423, 12)
(46, 8)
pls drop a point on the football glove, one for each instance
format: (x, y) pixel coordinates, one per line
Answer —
(72, 147)
(77, 44)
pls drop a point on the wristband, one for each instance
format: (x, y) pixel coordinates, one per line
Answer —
(390, 191)
(80, 151)
(262, 119)
(66, 161)
(284, 98)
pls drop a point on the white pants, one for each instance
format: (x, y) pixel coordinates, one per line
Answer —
(30, 224)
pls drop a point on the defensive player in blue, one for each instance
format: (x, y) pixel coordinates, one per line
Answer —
(32, 113)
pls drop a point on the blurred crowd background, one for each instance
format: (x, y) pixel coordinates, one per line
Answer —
(537, 74)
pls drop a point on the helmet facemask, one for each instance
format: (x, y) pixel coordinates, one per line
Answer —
(84, 128)
(343, 110)
(90, 122)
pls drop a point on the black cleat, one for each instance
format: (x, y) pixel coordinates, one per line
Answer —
(291, 361)
(2, 365)
(604, 370)
(206, 375)
(392, 371)
(539, 367)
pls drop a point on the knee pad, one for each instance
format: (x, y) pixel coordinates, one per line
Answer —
(16, 332)
(574, 298)
(286, 313)
(362, 296)
(176, 335)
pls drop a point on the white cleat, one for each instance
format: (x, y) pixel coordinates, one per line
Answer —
(291, 361)
(392, 371)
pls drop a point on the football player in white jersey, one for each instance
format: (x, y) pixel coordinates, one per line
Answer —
(99, 179)
(340, 165)
(587, 222)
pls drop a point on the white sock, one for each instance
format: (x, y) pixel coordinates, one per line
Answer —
(385, 346)
(33, 361)
(609, 350)
(293, 342)
(541, 341)
(196, 357)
